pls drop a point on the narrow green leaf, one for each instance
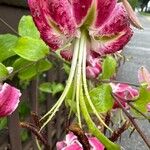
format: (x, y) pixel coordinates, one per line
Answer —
(28, 28)
(101, 98)
(52, 88)
(108, 67)
(31, 49)
(30, 69)
(3, 72)
(144, 98)
(7, 42)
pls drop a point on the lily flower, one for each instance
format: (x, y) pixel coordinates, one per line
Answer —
(123, 92)
(60, 22)
(9, 99)
(72, 143)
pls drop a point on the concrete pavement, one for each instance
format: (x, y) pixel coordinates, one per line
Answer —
(138, 54)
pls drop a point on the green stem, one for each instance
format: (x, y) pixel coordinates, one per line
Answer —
(92, 127)
(55, 108)
(86, 88)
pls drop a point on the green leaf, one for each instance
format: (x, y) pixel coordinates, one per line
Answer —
(31, 49)
(144, 98)
(28, 28)
(52, 88)
(3, 72)
(101, 98)
(3, 123)
(7, 41)
(108, 67)
(30, 69)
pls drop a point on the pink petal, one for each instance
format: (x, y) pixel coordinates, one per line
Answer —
(125, 92)
(66, 54)
(114, 34)
(95, 143)
(148, 107)
(60, 145)
(70, 137)
(80, 9)
(117, 21)
(144, 75)
(49, 31)
(113, 43)
(61, 13)
(9, 99)
(104, 9)
(74, 146)
(94, 67)
(132, 16)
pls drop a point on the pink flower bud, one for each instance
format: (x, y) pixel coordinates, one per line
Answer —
(144, 75)
(123, 92)
(72, 143)
(94, 67)
(9, 99)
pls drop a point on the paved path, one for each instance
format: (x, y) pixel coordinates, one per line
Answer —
(138, 53)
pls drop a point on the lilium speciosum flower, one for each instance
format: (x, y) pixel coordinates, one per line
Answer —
(9, 99)
(82, 31)
(72, 143)
(62, 21)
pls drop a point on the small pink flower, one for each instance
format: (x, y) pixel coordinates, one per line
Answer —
(123, 92)
(9, 99)
(72, 143)
(62, 21)
(144, 76)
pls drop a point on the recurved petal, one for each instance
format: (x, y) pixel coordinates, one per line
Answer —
(9, 99)
(104, 9)
(111, 44)
(117, 21)
(80, 9)
(60, 13)
(95, 143)
(48, 33)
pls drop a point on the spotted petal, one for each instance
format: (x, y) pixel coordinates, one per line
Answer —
(9, 99)
(114, 34)
(60, 13)
(80, 9)
(104, 9)
(51, 28)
